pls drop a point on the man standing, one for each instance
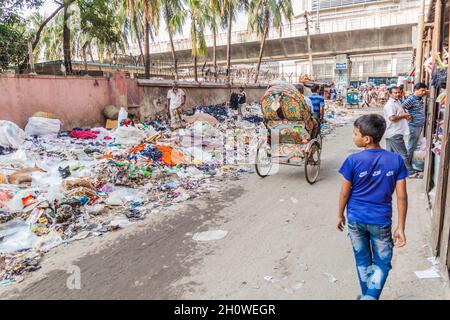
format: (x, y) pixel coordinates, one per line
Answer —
(176, 99)
(415, 106)
(396, 126)
(318, 103)
(367, 97)
(242, 101)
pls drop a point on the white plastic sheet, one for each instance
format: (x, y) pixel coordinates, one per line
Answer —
(42, 127)
(129, 135)
(15, 236)
(10, 134)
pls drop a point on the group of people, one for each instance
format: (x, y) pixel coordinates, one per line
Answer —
(377, 97)
(405, 117)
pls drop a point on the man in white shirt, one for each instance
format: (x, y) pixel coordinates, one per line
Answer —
(396, 125)
(176, 99)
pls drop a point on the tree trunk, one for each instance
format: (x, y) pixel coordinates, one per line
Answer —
(174, 55)
(261, 53)
(147, 45)
(90, 53)
(230, 27)
(195, 68)
(138, 37)
(22, 67)
(215, 52)
(85, 57)
(66, 40)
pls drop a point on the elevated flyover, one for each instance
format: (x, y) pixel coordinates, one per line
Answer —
(363, 34)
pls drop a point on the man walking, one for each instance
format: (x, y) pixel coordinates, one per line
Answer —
(176, 99)
(414, 105)
(318, 103)
(396, 126)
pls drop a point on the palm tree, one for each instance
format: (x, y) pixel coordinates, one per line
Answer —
(230, 8)
(262, 14)
(214, 23)
(66, 36)
(151, 20)
(199, 15)
(133, 8)
(174, 17)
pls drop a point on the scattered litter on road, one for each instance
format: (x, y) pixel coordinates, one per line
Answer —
(433, 260)
(430, 273)
(210, 235)
(294, 201)
(298, 285)
(330, 277)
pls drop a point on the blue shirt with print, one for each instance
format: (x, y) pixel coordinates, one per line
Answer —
(373, 174)
(415, 107)
(317, 101)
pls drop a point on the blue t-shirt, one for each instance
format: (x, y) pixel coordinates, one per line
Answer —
(317, 102)
(374, 174)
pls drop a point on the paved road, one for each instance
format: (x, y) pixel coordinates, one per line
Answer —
(281, 244)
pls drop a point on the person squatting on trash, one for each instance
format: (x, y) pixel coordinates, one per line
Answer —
(176, 99)
(370, 178)
(397, 125)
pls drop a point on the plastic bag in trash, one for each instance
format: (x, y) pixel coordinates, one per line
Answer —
(48, 241)
(129, 135)
(10, 134)
(16, 236)
(42, 127)
(123, 115)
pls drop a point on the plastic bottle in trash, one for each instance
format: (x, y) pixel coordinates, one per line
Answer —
(123, 115)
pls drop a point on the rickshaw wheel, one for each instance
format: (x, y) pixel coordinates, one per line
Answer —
(312, 163)
(263, 162)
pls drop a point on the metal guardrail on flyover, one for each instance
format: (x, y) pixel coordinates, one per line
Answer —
(372, 21)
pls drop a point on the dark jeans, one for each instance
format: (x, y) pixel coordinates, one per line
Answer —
(373, 248)
(397, 145)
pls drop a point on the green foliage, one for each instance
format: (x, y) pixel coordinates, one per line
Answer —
(13, 39)
(13, 46)
(97, 18)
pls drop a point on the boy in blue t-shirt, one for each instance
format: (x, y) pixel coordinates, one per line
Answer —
(370, 179)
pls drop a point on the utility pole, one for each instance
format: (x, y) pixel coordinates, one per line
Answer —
(308, 36)
(317, 18)
(419, 50)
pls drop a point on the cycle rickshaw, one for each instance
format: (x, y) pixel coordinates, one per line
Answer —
(293, 134)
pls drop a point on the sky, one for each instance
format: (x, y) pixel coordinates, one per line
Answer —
(240, 24)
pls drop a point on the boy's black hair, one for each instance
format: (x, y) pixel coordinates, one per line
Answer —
(391, 88)
(371, 125)
(300, 88)
(315, 88)
(419, 86)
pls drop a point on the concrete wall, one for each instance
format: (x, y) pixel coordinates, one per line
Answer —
(79, 101)
(155, 93)
(76, 101)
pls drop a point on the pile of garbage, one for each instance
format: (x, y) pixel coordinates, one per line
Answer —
(57, 186)
(335, 116)
(62, 186)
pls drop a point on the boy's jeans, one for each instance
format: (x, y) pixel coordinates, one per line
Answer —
(373, 247)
